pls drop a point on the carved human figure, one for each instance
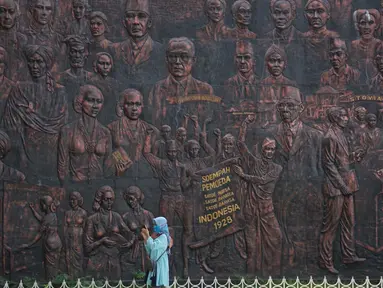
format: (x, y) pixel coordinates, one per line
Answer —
(244, 84)
(159, 148)
(7, 173)
(34, 113)
(272, 86)
(85, 147)
(340, 76)
(42, 14)
(173, 181)
(98, 27)
(241, 11)
(105, 237)
(362, 50)
(283, 13)
(317, 13)
(376, 83)
(181, 136)
(109, 86)
(173, 97)
(357, 124)
(371, 139)
(298, 151)
(137, 56)
(49, 234)
(10, 36)
(340, 183)
(226, 147)
(129, 131)
(74, 223)
(215, 29)
(262, 233)
(79, 24)
(6, 84)
(135, 218)
(76, 75)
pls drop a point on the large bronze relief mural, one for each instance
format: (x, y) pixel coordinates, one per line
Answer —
(254, 127)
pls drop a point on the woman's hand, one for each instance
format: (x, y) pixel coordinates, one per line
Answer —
(145, 233)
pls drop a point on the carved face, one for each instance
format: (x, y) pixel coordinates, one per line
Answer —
(133, 106)
(193, 150)
(289, 110)
(92, 103)
(181, 136)
(44, 205)
(282, 14)
(342, 119)
(107, 201)
(2, 65)
(360, 115)
(268, 151)
(7, 14)
(42, 11)
(371, 122)
(78, 9)
(243, 15)
(73, 201)
(180, 61)
(228, 147)
(379, 62)
(317, 15)
(367, 26)
(37, 66)
(137, 23)
(165, 132)
(97, 26)
(172, 153)
(245, 62)
(132, 201)
(77, 56)
(338, 58)
(215, 11)
(104, 65)
(275, 64)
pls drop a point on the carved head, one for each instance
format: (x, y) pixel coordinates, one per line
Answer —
(215, 10)
(42, 12)
(98, 23)
(360, 113)
(165, 132)
(378, 59)
(317, 13)
(79, 8)
(371, 120)
(5, 144)
(193, 148)
(97, 201)
(366, 22)
(131, 103)
(181, 134)
(47, 204)
(89, 101)
(290, 106)
(228, 144)
(137, 20)
(268, 148)
(180, 57)
(338, 116)
(107, 197)
(134, 196)
(338, 53)
(39, 60)
(283, 13)
(241, 10)
(3, 60)
(244, 57)
(171, 150)
(75, 200)
(276, 60)
(77, 51)
(9, 14)
(103, 64)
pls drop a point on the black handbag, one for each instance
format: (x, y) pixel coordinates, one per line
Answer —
(153, 268)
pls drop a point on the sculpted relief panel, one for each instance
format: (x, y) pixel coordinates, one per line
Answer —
(254, 127)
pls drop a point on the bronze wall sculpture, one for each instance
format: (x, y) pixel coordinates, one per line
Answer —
(255, 127)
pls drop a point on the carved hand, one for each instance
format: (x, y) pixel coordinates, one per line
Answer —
(238, 170)
(217, 132)
(250, 118)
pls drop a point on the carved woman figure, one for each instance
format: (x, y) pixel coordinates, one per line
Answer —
(34, 113)
(362, 50)
(78, 24)
(104, 240)
(48, 233)
(98, 27)
(73, 233)
(136, 218)
(85, 145)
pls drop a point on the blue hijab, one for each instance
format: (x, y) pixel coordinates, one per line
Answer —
(161, 227)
